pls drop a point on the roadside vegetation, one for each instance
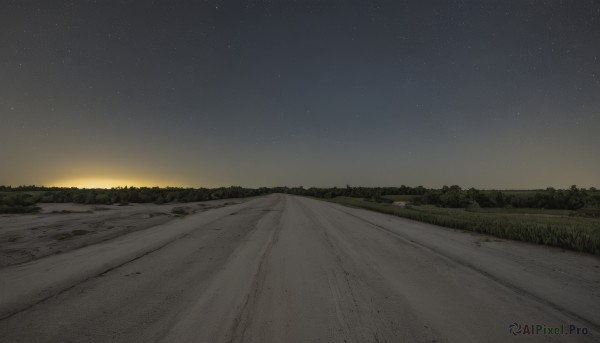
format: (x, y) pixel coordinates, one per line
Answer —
(573, 201)
(568, 232)
(20, 199)
(566, 218)
(17, 203)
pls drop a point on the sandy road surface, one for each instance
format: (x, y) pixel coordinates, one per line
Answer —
(292, 269)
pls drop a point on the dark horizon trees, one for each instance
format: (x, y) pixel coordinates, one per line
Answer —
(23, 198)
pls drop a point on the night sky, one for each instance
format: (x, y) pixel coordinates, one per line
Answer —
(489, 94)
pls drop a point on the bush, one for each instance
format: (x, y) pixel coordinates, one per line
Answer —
(18, 203)
(473, 205)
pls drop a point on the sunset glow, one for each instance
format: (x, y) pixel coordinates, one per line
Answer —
(100, 182)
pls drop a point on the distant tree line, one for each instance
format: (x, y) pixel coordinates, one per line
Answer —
(569, 199)
(355, 192)
(124, 195)
(23, 198)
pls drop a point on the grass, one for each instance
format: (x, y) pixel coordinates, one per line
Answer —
(573, 233)
(535, 211)
(400, 197)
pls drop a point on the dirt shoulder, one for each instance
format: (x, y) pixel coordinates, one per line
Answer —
(59, 228)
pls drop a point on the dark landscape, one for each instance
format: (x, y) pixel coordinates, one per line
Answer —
(275, 171)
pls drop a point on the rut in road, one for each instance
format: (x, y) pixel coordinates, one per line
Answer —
(244, 318)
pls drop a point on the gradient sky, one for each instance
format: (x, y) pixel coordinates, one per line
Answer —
(490, 94)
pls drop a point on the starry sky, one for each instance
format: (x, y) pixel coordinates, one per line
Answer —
(487, 94)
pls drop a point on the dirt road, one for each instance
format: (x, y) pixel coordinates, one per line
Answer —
(292, 269)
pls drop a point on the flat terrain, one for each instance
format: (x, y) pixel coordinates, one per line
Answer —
(26, 237)
(283, 269)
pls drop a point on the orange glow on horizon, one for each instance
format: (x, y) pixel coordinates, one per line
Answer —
(105, 182)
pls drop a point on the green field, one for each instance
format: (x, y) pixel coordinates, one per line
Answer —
(560, 230)
(400, 197)
(523, 211)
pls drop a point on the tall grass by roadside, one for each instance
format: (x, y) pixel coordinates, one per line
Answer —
(523, 211)
(573, 233)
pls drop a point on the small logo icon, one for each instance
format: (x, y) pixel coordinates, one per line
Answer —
(514, 328)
